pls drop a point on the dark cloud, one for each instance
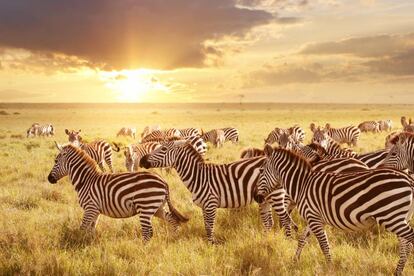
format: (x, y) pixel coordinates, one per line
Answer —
(401, 64)
(125, 33)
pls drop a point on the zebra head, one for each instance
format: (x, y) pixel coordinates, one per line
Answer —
(74, 136)
(269, 176)
(60, 169)
(274, 136)
(162, 157)
(401, 155)
(320, 137)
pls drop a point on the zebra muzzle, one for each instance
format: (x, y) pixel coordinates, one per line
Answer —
(51, 179)
(259, 198)
(143, 163)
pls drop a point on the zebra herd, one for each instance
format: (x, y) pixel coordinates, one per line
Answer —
(328, 184)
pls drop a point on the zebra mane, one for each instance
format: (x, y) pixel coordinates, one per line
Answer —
(317, 148)
(85, 157)
(396, 138)
(295, 157)
(188, 147)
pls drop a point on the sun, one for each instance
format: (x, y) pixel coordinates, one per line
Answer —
(133, 85)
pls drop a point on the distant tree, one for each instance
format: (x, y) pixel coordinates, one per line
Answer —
(241, 96)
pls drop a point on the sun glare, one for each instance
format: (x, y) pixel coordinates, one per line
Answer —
(133, 85)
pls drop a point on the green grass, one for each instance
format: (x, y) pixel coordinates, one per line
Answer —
(39, 222)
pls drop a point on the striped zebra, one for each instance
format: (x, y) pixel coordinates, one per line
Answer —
(385, 125)
(119, 195)
(332, 147)
(148, 129)
(351, 202)
(40, 130)
(401, 155)
(215, 186)
(189, 132)
(278, 134)
(349, 135)
(196, 141)
(408, 126)
(369, 126)
(134, 153)
(373, 159)
(100, 150)
(389, 138)
(230, 134)
(161, 135)
(251, 152)
(127, 131)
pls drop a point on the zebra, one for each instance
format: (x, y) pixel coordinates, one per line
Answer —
(216, 137)
(349, 135)
(215, 186)
(385, 125)
(296, 132)
(99, 150)
(389, 138)
(196, 141)
(351, 201)
(161, 135)
(127, 131)
(40, 130)
(119, 195)
(134, 153)
(251, 152)
(373, 159)
(332, 147)
(148, 129)
(407, 126)
(401, 155)
(230, 134)
(369, 126)
(189, 132)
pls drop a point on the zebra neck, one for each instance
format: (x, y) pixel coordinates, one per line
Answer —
(187, 167)
(293, 179)
(82, 172)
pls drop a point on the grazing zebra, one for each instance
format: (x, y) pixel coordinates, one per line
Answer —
(100, 150)
(351, 202)
(349, 135)
(127, 131)
(148, 129)
(40, 130)
(231, 134)
(369, 126)
(278, 134)
(385, 125)
(161, 135)
(215, 186)
(134, 153)
(120, 195)
(407, 126)
(189, 132)
(218, 138)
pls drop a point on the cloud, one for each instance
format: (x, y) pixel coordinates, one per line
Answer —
(125, 34)
(401, 64)
(12, 95)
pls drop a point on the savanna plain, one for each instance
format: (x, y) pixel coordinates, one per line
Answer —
(39, 222)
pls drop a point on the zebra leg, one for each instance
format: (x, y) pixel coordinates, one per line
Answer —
(146, 226)
(108, 161)
(168, 217)
(266, 216)
(90, 217)
(405, 249)
(209, 214)
(319, 232)
(277, 199)
(302, 241)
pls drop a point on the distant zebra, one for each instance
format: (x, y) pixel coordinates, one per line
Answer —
(332, 147)
(120, 195)
(212, 185)
(134, 153)
(275, 136)
(351, 202)
(230, 134)
(161, 135)
(349, 135)
(369, 126)
(127, 131)
(148, 129)
(100, 150)
(408, 126)
(385, 125)
(196, 141)
(40, 130)
(189, 132)
(215, 136)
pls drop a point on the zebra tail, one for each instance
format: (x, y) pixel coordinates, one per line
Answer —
(175, 212)
(117, 149)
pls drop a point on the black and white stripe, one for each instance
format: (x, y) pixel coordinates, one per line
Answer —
(369, 126)
(115, 195)
(278, 135)
(134, 153)
(214, 186)
(189, 132)
(351, 202)
(148, 129)
(385, 125)
(401, 155)
(127, 131)
(349, 135)
(99, 150)
(40, 130)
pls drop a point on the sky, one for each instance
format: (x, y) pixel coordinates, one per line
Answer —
(322, 51)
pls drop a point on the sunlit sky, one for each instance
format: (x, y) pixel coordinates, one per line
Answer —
(353, 51)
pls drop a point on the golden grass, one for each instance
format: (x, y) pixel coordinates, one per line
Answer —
(39, 222)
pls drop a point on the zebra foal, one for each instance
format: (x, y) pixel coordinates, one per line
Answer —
(119, 195)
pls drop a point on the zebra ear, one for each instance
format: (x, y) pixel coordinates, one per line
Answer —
(268, 150)
(312, 127)
(67, 131)
(59, 147)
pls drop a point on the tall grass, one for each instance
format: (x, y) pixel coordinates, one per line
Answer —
(39, 222)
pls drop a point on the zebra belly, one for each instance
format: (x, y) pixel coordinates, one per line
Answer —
(125, 209)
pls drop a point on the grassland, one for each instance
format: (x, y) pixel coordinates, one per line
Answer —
(39, 222)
